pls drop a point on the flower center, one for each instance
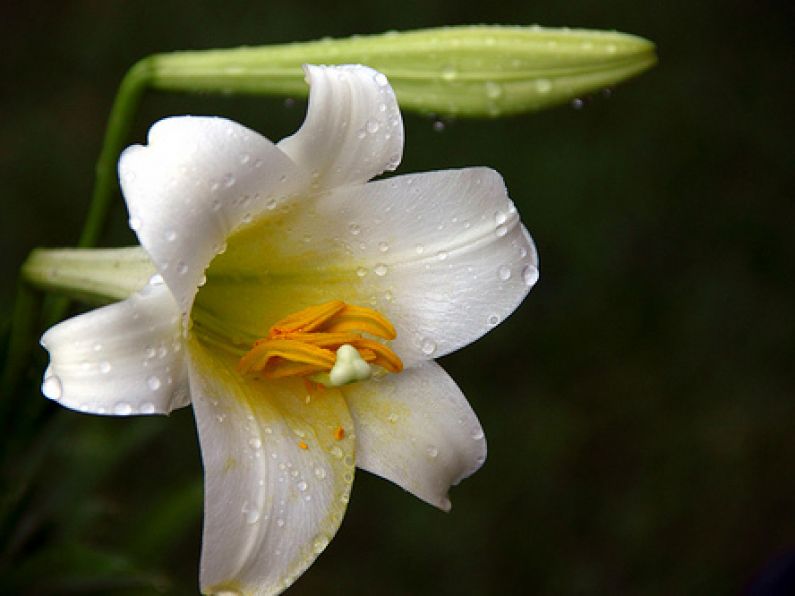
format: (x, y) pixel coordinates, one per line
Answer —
(325, 344)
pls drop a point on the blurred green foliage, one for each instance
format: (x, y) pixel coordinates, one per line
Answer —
(638, 406)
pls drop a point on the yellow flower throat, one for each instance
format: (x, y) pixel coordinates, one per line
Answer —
(324, 343)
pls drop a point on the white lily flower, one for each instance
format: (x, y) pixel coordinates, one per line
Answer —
(278, 266)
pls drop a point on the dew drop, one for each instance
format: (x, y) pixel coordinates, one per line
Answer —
(419, 249)
(381, 80)
(354, 229)
(428, 346)
(105, 367)
(245, 158)
(171, 235)
(122, 408)
(52, 388)
(492, 320)
(135, 223)
(255, 443)
(543, 86)
(504, 273)
(229, 180)
(372, 126)
(361, 271)
(156, 280)
(438, 125)
(97, 347)
(449, 73)
(147, 407)
(477, 435)
(442, 255)
(500, 218)
(320, 473)
(380, 269)
(501, 231)
(530, 275)
(392, 418)
(493, 90)
(383, 246)
(182, 268)
(252, 516)
(337, 452)
(320, 543)
(270, 203)
(280, 522)
(302, 486)
(577, 103)
(432, 451)
(153, 383)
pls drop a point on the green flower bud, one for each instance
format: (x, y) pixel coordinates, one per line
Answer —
(454, 71)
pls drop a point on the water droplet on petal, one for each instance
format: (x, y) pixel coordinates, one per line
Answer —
(171, 235)
(500, 218)
(302, 486)
(52, 388)
(380, 269)
(530, 275)
(147, 407)
(354, 229)
(577, 103)
(361, 271)
(255, 443)
(432, 451)
(493, 320)
(153, 383)
(501, 231)
(229, 180)
(182, 268)
(428, 346)
(504, 273)
(477, 435)
(280, 522)
(122, 408)
(383, 246)
(381, 80)
(135, 223)
(320, 543)
(372, 126)
(320, 473)
(420, 249)
(104, 367)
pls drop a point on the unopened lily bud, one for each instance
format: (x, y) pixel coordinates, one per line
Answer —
(475, 71)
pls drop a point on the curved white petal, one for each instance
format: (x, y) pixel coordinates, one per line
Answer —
(442, 254)
(197, 180)
(125, 358)
(271, 506)
(417, 429)
(353, 128)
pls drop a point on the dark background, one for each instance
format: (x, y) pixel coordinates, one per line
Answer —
(639, 405)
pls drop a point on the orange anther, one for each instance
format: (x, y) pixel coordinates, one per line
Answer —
(303, 445)
(339, 433)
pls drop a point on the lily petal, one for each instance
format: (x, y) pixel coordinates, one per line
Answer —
(417, 430)
(353, 129)
(197, 180)
(277, 481)
(442, 254)
(121, 359)
(446, 255)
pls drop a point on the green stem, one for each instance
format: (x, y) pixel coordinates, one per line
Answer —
(120, 122)
(20, 342)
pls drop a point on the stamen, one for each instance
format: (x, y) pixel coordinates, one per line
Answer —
(324, 344)
(339, 433)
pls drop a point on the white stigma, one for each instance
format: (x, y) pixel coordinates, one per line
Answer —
(349, 367)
